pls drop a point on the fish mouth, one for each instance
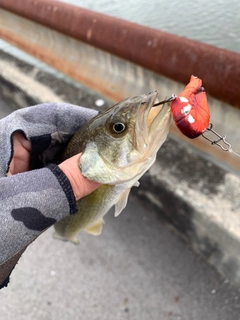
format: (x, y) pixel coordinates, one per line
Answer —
(157, 106)
(154, 108)
(157, 112)
(153, 122)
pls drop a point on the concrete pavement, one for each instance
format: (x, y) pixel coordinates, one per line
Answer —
(136, 270)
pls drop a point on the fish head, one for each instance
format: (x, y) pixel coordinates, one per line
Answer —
(123, 140)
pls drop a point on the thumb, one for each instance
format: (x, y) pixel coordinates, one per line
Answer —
(80, 185)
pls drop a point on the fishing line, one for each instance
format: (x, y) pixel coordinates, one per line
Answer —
(170, 99)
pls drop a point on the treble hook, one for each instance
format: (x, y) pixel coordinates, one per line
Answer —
(226, 147)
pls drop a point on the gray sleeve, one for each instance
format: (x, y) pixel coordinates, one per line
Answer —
(30, 202)
(49, 126)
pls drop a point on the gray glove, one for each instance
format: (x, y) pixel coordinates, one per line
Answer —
(32, 201)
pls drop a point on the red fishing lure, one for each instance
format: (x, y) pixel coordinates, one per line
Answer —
(190, 109)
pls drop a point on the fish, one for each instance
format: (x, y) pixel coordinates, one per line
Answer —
(118, 146)
(190, 109)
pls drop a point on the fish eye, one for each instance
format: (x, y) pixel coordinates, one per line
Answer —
(118, 127)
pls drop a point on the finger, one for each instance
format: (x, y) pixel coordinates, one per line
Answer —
(80, 185)
(20, 161)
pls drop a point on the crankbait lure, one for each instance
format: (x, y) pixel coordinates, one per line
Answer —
(191, 114)
(190, 109)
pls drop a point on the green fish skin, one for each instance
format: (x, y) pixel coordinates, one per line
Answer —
(118, 146)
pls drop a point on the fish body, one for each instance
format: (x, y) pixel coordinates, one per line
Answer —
(118, 146)
(190, 109)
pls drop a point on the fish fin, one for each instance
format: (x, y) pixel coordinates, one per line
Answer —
(95, 228)
(73, 239)
(122, 202)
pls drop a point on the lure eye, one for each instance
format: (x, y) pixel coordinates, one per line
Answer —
(118, 127)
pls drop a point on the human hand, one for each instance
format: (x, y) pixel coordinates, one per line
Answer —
(33, 200)
(59, 117)
(80, 185)
(47, 126)
(21, 162)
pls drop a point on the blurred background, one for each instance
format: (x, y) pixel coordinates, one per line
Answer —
(214, 22)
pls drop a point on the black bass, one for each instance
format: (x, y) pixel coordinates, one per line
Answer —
(118, 146)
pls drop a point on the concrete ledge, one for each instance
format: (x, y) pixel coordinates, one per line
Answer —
(198, 199)
(23, 84)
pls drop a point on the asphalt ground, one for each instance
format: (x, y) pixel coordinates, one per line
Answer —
(136, 270)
